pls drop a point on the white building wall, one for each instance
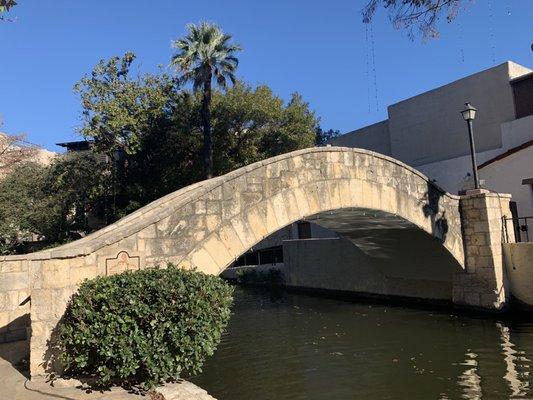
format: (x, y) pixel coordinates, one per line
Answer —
(454, 174)
(506, 176)
(375, 137)
(428, 132)
(428, 128)
(517, 132)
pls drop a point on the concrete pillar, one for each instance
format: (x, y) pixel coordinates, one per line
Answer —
(482, 284)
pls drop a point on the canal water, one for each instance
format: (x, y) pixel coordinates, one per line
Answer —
(282, 345)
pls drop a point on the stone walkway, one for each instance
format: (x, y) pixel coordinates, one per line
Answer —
(15, 385)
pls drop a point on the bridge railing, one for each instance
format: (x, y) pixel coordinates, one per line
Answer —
(521, 227)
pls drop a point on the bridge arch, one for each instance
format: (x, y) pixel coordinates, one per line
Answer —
(225, 218)
(210, 224)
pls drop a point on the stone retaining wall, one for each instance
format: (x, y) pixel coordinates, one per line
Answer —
(183, 390)
(14, 300)
(337, 265)
(518, 259)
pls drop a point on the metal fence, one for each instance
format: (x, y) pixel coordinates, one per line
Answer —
(521, 228)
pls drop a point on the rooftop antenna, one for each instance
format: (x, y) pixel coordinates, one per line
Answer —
(462, 49)
(491, 31)
(367, 71)
(372, 48)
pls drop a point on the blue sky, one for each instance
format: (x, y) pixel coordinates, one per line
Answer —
(316, 48)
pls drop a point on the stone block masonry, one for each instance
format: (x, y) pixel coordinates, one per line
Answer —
(14, 300)
(482, 284)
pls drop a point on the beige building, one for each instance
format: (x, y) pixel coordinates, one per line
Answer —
(13, 150)
(427, 132)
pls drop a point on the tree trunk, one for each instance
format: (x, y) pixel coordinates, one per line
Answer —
(206, 122)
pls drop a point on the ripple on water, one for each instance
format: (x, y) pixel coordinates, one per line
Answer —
(290, 346)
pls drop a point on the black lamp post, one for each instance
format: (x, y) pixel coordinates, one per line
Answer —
(469, 113)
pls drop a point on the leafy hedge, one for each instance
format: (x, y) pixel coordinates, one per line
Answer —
(144, 327)
(253, 276)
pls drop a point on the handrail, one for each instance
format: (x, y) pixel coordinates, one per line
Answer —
(521, 231)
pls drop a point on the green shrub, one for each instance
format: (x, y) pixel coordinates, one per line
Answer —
(253, 276)
(143, 327)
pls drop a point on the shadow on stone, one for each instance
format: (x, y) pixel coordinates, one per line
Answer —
(431, 208)
(17, 354)
(15, 330)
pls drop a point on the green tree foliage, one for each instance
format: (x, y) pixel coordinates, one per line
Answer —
(144, 327)
(119, 110)
(159, 144)
(131, 120)
(24, 207)
(251, 124)
(49, 202)
(206, 54)
(322, 137)
(77, 183)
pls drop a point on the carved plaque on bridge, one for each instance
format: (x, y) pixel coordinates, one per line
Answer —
(122, 262)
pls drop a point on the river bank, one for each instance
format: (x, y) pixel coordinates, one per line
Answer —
(16, 384)
(279, 275)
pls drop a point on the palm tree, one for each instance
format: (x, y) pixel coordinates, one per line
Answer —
(203, 55)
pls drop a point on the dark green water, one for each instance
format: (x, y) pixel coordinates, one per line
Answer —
(294, 346)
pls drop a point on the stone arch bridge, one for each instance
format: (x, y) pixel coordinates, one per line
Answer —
(209, 224)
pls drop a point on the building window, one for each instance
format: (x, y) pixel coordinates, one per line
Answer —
(304, 230)
(523, 96)
(270, 255)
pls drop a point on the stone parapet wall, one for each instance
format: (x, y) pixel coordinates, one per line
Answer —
(14, 300)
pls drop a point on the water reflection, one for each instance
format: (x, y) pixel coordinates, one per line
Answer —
(516, 362)
(469, 380)
(291, 346)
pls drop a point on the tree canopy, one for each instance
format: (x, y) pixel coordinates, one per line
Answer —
(251, 124)
(119, 109)
(421, 15)
(204, 53)
(146, 134)
(156, 126)
(48, 202)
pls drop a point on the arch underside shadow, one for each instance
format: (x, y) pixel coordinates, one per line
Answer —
(369, 252)
(390, 241)
(390, 257)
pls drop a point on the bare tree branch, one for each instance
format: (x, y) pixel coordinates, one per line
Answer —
(5, 6)
(411, 14)
(14, 149)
